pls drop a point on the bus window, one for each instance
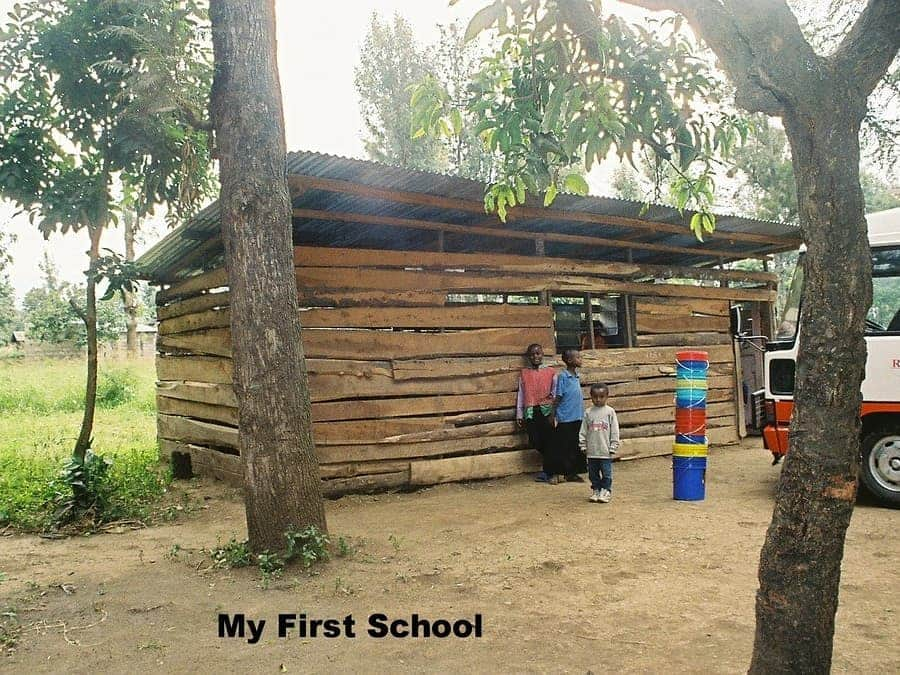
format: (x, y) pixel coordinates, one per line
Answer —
(790, 315)
(884, 315)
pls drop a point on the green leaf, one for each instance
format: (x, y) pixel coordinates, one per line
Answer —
(456, 121)
(520, 189)
(577, 184)
(550, 195)
(484, 19)
(697, 225)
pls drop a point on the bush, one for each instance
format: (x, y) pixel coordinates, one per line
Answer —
(115, 388)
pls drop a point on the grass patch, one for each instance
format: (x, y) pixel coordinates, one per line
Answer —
(40, 416)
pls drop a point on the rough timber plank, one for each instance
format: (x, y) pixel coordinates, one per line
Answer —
(193, 285)
(371, 431)
(319, 297)
(494, 465)
(615, 358)
(195, 368)
(211, 318)
(684, 324)
(201, 303)
(498, 262)
(374, 344)
(198, 411)
(201, 392)
(409, 407)
(683, 340)
(364, 453)
(446, 367)
(364, 484)
(206, 461)
(186, 430)
(451, 316)
(341, 387)
(454, 282)
(682, 306)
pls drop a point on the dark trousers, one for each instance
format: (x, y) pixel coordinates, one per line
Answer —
(540, 437)
(571, 459)
(600, 473)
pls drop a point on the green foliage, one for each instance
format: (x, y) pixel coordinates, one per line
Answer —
(551, 101)
(308, 545)
(40, 412)
(9, 316)
(344, 548)
(390, 62)
(74, 115)
(233, 554)
(50, 316)
(85, 489)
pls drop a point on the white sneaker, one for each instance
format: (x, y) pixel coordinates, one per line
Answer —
(605, 496)
(595, 496)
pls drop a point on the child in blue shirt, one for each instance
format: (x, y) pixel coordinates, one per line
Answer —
(568, 410)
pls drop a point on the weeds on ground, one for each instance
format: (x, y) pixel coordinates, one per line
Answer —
(306, 546)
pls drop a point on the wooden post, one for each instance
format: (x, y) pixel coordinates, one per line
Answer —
(590, 319)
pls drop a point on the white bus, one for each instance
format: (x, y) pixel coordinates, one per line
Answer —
(880, 413)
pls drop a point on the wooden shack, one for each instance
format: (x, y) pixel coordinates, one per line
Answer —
(417, 307)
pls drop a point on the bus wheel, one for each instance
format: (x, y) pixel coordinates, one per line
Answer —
(880, 466)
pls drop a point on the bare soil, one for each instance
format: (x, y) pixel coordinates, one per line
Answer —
(643, 584)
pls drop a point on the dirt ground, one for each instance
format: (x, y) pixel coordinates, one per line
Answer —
(643, 584)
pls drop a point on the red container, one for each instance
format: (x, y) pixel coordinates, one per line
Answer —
(690, 421)
(690, 355)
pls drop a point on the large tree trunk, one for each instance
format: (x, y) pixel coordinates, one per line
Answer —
(129, 299)
(800, 564)
(89, 317)
(281, 473)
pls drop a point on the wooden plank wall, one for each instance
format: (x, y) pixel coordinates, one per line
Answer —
(410, 390)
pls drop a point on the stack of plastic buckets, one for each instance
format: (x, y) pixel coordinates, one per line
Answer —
(690, 450)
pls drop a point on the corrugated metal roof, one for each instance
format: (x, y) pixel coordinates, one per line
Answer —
(195, 246)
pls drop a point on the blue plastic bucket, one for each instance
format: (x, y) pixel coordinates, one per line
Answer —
(694, 398)
(690, 439)
(689, 478)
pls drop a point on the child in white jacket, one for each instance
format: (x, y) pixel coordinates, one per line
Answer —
(599, 440)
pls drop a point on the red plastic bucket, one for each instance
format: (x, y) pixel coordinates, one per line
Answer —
(690, 421)
(691, 355)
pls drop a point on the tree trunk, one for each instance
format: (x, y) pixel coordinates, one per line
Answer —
(800, 563)
(89, 317)
(281, 473)
(129, 299)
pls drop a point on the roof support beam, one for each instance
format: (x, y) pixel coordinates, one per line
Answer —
(301, 183)
(344, 217)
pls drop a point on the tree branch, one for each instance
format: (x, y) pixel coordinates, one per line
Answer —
(871, 45)
(718, 28)
(78, 310)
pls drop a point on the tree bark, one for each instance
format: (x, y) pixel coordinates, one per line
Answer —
(800, 563)
(281, 473)
(129, 299)
(89, 317)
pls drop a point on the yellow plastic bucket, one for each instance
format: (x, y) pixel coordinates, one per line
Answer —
(690, 449)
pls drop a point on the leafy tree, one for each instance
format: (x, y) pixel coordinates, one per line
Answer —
(79, 123)
(281, 471)
(9, 318)
(570, 83)
(390, 63)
